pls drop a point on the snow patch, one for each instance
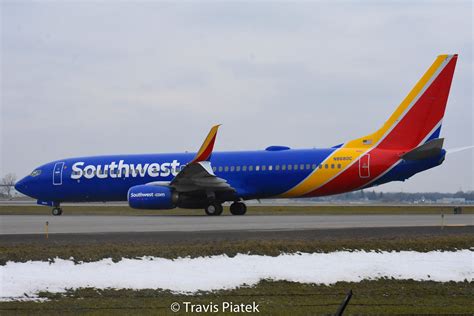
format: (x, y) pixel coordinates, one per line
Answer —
(188, 275)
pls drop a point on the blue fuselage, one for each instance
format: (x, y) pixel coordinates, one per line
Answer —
(253, 174)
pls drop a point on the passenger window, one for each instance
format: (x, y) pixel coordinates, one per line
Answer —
(295, 167)
(214, 169)
(250, 168)
(290, 167)
(332, 166)
(264, 168)
(270, 168)
(220, 168)
(308, 166)
(283, 167)
(302, 167)
(313, 166)
(326, 166)
(237, 168)
(257, 168)
(339, 165)
(277, 167)
(232, 168)
(244, 168)
(320, 166)
(226, 168)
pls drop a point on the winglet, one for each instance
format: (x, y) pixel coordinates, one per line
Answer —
(205, 151)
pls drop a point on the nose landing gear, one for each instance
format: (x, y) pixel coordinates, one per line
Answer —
(57, 211)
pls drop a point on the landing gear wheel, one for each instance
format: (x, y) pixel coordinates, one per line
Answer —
(57, 211)
(238, 208)
(214, 209)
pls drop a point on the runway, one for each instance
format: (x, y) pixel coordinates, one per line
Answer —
(73, 224)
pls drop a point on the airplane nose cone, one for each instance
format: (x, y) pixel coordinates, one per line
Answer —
(22, 186)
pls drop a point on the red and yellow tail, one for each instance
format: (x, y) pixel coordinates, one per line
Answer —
(416, 120)
(419, 116)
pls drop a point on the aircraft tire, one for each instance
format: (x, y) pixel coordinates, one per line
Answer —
(238, 208)
(214, 209)
(57, 211)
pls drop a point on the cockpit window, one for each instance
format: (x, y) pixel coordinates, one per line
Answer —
(35, 173)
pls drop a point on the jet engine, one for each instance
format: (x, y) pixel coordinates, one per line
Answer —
(152, 197)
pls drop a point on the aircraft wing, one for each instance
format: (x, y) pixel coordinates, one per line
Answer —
(198, 174)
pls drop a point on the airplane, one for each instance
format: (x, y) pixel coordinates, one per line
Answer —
(407, 143)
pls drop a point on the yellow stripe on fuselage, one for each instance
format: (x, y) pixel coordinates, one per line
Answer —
(358, 147)
(321, 176)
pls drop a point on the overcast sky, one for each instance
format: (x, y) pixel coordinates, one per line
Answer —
(90, 78)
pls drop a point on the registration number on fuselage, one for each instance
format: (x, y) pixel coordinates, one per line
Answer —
(346, 158)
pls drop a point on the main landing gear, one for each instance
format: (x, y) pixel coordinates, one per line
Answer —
(57, 211)
(238, 208)
(215, 208)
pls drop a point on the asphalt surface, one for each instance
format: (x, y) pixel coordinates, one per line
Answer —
(264, 203)
(196, 237)
(73, 224)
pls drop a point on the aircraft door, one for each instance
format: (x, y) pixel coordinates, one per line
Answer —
(58, 173)
(364, 166)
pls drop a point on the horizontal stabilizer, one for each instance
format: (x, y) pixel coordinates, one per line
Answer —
(427, 150)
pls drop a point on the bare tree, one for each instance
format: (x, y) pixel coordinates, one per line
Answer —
(7, 184)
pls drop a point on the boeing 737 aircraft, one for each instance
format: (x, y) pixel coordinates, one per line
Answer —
(409, 142)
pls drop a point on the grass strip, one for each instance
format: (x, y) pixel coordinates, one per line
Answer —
(88, 252)
(384, 296)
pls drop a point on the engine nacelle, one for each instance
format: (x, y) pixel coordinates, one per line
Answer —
(152, 197)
